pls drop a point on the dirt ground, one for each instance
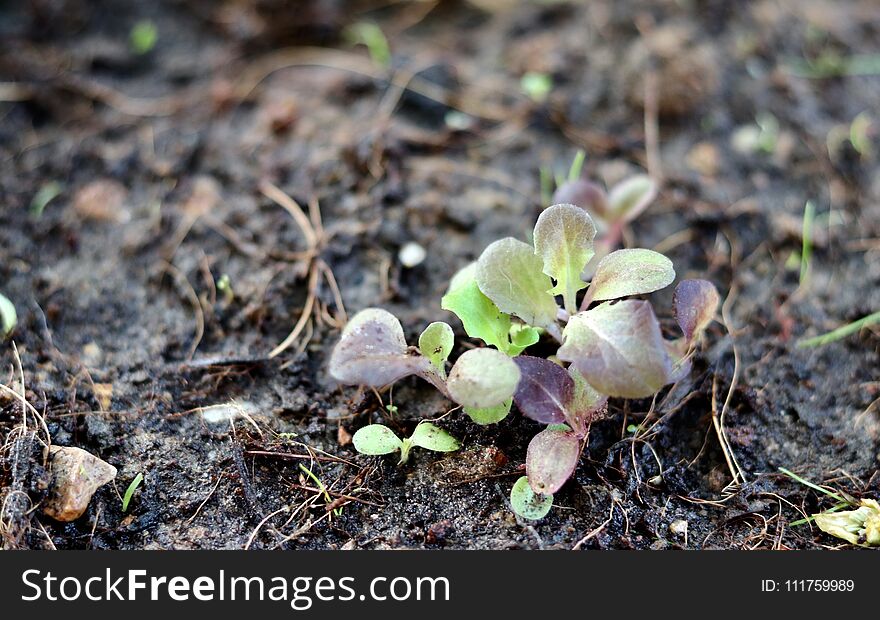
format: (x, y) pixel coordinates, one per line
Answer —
(155, 164)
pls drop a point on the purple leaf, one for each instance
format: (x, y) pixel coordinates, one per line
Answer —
(618, 348)
(582, 193)
(695, 303)
(551, 459)
(545, 390)
(372, 351)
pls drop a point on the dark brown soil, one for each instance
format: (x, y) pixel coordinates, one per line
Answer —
(237, 93)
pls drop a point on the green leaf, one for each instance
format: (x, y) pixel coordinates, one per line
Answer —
(630, 197)
(528, 504)
(436, 344)
(630, 272)
(521, 338)
(481, 318)
(618, 348)
(564, 242)
(8, 316)
(129, 492)
(489, 415)
(376, 440)
(434, 438)
(510, 274)
(483, 378)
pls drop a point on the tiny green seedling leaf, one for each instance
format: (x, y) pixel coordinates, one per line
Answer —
(489, 415)
(483, 378)
(8, 316)
(431, 437)
(618, 348)
(630, 197)
(551, 459)
(564, 241)
(481, 318)
(510, 274)
(372, 351)
(129, 492)
(376, 440)
(528, 504)
(436, 344)
(630, 272)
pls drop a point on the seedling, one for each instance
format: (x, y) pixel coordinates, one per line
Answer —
(129, 492)
(511, 296)
(378, 440)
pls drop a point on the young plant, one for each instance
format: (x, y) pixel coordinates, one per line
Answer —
(378, 440)
(608, 346)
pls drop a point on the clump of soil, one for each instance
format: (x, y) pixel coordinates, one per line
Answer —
(131, 352)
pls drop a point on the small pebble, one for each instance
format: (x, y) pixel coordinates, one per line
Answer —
(411, 255)
(76, 475)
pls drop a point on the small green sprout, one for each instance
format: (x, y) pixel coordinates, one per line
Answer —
(129, 492)
(537, 86)
(308, 472)
(48, 192)
(607, 344)
(378, 440)
(8, 317)
(371, 36)
(143, 37)
(807, 243)
(224, 287)
(841, 332)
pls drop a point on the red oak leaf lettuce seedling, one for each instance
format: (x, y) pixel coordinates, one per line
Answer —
(608, 346)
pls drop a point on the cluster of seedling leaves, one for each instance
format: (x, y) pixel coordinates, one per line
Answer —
(609, 346)
(378, 440)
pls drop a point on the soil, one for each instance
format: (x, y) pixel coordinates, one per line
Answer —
(159, 159)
